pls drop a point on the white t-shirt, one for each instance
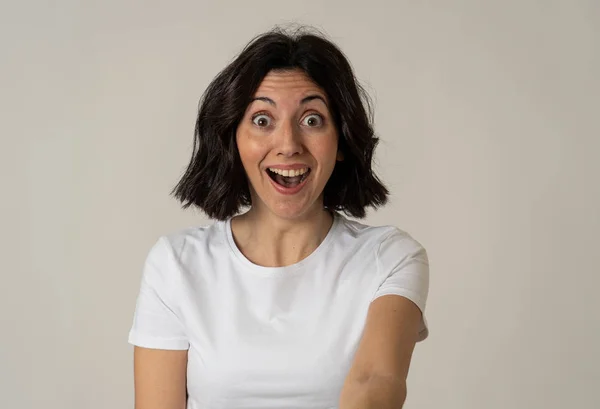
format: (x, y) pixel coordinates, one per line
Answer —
(271, 337)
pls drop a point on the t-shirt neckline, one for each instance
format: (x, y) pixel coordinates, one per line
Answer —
(296, 267)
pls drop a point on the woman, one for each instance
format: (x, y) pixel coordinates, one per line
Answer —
(288, 304)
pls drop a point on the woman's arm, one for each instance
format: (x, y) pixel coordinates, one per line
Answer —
(377, 378)
(160, 378)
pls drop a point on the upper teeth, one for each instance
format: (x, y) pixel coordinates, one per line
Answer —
(289, 172)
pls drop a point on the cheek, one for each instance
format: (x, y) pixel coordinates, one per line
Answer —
(251, 151)
(326, 150)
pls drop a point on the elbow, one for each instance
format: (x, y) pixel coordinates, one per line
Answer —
(381, 392)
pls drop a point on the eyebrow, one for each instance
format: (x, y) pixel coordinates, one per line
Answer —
(304, 100)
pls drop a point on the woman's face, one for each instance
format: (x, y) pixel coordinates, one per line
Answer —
(288, 144)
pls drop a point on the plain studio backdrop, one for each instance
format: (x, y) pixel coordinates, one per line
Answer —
(488, 113)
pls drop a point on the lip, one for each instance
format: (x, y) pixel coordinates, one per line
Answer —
(292, 166)
(288, 190)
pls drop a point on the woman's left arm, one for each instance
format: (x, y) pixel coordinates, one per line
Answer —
(377, 378)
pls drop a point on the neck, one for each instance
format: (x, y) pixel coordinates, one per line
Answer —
(270, 241)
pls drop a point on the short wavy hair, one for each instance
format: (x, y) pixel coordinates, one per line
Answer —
(215, 180)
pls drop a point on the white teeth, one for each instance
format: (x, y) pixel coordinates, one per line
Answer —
(289, 172)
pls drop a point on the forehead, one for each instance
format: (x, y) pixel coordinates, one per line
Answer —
(288, 83)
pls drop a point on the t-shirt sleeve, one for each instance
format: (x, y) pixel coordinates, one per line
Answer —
(155, 322)
(404, 268)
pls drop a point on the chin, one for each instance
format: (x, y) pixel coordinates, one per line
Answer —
(288, 207)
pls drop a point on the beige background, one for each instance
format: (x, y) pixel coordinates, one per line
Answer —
(488, 114)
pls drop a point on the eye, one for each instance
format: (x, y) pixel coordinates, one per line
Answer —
(261, 120)
(313, 120)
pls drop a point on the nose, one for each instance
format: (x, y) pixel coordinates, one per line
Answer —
(289, 140)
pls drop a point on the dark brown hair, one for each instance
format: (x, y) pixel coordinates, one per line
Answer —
(215, 180)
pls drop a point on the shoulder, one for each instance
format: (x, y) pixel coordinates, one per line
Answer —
(191, 241)
(383, 236)
(184, 248)
(390, 245)
(398, 244)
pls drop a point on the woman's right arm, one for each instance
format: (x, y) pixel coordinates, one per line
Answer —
(158, 334)
(160, 378)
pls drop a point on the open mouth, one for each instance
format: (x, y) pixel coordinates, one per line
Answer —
(288, 178)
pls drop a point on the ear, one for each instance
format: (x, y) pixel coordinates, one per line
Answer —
(340, 156)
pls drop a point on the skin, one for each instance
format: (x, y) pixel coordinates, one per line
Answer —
(159, 378)
(288, 123)
(377, 378)
(291, 123)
